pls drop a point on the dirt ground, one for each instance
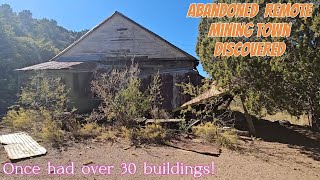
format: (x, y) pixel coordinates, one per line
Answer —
(281, 152)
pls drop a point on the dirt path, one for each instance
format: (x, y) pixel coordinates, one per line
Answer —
(262, 160)
(281, 152)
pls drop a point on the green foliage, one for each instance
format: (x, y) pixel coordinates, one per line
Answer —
(40, 123)
(40, 110)
(210, 108)
(51, 131)
(122, 100)
(290, 82)
(89, 130)
(155, 98)
(193, 91)
(26, 41)
(44, 92)
(19, 119)
(152, 133)
(130, 102)
(154, 89)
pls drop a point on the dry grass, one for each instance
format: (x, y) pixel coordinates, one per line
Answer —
(212, 133)
(150, 134)
(300, 120)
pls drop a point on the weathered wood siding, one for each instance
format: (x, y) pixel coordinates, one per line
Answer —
(114, 43)
(117, 38)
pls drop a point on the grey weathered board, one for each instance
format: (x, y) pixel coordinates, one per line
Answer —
(198, 147)
(149, 121)
(119, 36)
(21, 145)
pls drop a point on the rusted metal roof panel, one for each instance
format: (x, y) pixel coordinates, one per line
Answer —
(51, 65)
(21, 145)
(213, 92)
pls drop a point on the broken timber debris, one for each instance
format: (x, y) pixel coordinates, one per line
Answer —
(149, 121)
(238, 132)
(197, 147)
(21, 145)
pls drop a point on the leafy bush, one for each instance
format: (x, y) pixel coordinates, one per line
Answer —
(40, 110)
(126, 132)
(156, 99)
(228, 138)
(44, 92)
(122, 99)
(207, 131)
(212, 133)
(152, 133)
(89, 130)
(51, 132)
(130, 103)
(38, 122)
(19, 119)
(107, 134)
(158, 113)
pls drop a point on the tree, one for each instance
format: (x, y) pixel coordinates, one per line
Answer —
(122, 100)
(25, 41)
(287, 83)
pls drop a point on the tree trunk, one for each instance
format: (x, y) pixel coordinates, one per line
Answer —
(248, 117)
(314, 119)
(314, 114)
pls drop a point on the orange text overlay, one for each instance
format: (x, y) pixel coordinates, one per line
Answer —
(247, 29)
(249, 10)
(249, 48)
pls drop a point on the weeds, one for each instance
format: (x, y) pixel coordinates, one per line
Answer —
(89, 130)
(41, 109)
(152, 134)
(212, 133)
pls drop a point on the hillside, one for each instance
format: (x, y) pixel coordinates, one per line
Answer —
(24, 41)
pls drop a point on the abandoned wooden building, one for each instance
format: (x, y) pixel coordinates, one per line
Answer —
(115, 43)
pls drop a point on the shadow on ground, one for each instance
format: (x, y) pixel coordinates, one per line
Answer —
(304, 139)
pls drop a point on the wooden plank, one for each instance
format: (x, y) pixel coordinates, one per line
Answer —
(197, 147)
(118, 36)
(148, 121)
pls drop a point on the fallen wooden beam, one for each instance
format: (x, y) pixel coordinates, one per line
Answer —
(197, 147)
(148, 121)
(238, 132)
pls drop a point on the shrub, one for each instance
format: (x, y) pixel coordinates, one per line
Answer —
(107, 134)
(156, 99)
(152, 133)
(212, 133)
(41, 110)
(126, 132)
(121, 97)
(228, 139)
(131, 103)
(44, 92)
(158, 113)
(90, 130)
(20, 119)
(207, 131)
(51, 132)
